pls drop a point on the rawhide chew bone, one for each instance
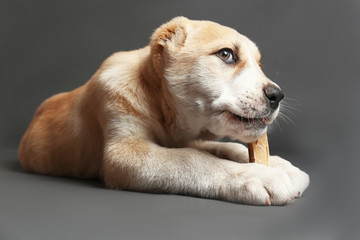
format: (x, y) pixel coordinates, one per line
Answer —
(259, 150)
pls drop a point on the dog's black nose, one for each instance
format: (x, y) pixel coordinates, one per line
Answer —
(274, 95)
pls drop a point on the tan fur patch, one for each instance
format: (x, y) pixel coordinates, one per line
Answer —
(127, 107)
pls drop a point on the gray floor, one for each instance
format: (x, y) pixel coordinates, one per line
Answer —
(42, 207)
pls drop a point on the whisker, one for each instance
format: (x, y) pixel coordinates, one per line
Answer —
(291, 99)
(287, 119)
(287, 112)
(288, 107)
(287, 104)
(278, 124)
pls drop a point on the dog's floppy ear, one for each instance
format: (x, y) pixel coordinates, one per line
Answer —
(168, 37)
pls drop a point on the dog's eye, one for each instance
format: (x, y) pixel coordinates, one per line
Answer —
(227, 55)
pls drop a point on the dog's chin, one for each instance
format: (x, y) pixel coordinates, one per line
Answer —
(238, 128)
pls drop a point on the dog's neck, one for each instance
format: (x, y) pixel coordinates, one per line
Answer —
(160, 100)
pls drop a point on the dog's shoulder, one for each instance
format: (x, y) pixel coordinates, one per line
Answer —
(118, 75)
(118, 84)
(122, 66)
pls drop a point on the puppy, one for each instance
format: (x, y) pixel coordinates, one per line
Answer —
(147, 120)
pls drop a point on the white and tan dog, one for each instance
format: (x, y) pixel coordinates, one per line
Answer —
(147, 119)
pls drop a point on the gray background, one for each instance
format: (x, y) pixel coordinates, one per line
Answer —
(310, 48)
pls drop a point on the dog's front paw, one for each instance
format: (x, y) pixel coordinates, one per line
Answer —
(261, 185)
(299, 179)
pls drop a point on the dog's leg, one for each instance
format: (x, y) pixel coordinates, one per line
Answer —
(227, 150)
(143, 166)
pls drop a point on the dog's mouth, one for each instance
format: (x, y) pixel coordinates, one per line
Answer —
(251, 121)
(244, 128)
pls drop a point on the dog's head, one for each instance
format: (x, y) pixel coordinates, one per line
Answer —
(214, 76)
